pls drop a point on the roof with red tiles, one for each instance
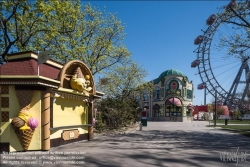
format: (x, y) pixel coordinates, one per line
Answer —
(28, 66)
(30, 52)
(198, 109)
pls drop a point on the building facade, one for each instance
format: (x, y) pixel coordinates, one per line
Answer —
(171, 99)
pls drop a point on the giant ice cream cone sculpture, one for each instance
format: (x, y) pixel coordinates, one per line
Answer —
(24, 132)
(25, 137)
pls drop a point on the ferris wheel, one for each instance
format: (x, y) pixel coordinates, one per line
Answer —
(223, 55)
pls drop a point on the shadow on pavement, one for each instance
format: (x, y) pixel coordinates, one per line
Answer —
(150, 148)
(163, 148)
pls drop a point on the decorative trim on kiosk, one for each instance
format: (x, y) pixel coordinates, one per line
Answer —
(73, 126)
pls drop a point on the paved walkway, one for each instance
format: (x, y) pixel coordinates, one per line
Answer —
(170, 144)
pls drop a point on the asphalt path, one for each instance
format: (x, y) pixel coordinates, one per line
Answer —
(170, 144)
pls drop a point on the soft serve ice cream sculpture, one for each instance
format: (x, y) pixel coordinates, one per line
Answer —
(80, 82)
(24, 125)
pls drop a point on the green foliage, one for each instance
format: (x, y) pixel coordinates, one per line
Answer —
(69, 30)
(220, 111)
(96, 40)
(237, 18)
(99, 125)
(125, 79)
(210, 107)
(117, 113)
(31, 25)
(236, 114)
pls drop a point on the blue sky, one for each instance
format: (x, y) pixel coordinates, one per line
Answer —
(161, 34)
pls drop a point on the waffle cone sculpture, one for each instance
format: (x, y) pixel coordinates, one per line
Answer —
(25, 137)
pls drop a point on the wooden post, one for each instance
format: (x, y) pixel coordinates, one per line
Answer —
(90, 118)
(45, 120)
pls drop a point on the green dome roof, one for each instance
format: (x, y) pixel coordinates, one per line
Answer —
(168, 73)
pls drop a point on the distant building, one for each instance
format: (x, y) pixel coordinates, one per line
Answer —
(203, 108)
(171, 99)
(198, 109)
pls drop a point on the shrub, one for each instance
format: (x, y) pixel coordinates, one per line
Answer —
(99, 125)
(118, 113)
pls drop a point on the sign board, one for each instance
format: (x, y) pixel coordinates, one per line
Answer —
(224, 117)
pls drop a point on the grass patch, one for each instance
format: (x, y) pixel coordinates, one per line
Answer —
(232, 122)
(241, 129)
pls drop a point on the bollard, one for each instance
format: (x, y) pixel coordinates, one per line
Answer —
(226, 121)
(140, 126)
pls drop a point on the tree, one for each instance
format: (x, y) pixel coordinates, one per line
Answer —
(236, 16)
(97, 40)
(69, 30)
(236, 114)
(119, 107)
(117, 113)
(220, 111)
(210, 107)
(99, 125)
(125, 80)
(27, 25)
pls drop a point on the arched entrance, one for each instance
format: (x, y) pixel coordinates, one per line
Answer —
(173, 108)
(156, 109)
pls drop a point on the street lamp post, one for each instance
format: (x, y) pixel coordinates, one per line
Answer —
(203, 86)
(205, 93)
(215, 108)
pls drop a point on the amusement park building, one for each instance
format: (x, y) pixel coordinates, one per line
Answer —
(46, 109)
(203, 108)
(171, 99)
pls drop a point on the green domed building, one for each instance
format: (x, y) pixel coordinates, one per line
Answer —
(171, 99)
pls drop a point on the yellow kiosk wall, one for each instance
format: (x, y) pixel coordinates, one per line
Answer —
(69, 112)
(35, 106)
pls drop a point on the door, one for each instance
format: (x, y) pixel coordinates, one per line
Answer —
(175, 113)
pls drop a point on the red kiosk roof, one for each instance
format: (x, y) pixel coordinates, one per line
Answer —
(28, 66)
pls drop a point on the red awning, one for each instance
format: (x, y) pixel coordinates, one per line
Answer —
(174, 101)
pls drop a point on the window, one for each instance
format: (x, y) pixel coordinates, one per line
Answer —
(145, 96)
(167, 111)
(157, 93)
(189, 94)
(173, 111)
(157, 113)
(138, 98)
(5, 116)
(167, 114)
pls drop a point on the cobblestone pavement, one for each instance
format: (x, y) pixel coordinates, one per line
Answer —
(170, 144)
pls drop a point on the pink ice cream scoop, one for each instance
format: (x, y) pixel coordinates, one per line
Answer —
(32, 123)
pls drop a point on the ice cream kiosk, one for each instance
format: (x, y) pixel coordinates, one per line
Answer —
(44, 106)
